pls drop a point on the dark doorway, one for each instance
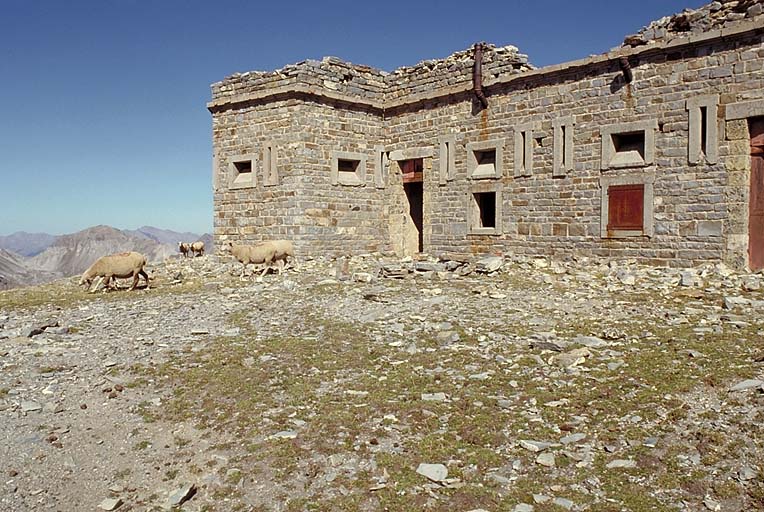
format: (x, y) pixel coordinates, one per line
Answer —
(756, 202)
(413, 174)
(414, 192)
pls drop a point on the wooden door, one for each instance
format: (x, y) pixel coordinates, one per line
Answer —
(756, 197)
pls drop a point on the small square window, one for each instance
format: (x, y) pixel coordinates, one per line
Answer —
(486, 163)
(348, 169)
(484, 159)
(628, 144)
(241, 172)
(350, 166)
(629, 148)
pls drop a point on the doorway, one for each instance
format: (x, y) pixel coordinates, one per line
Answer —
(756, 197)
(413, 185)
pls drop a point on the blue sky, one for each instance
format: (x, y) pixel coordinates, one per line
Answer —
(104, 118)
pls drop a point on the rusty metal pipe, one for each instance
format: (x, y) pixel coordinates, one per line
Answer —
(477, 75)
(626, 69)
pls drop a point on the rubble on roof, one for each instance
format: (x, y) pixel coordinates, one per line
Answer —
(696, 21)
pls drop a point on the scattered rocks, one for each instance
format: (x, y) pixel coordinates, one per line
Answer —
(435, 472)
(453, 334)
(534, 446)
(489, 264)
(179, 496)
(621, 463)
(748, 384)
(110, 504)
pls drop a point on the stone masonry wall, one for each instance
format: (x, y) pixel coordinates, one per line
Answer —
(314, 111)
(543, 214)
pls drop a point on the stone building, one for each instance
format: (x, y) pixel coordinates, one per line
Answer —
(653, 150)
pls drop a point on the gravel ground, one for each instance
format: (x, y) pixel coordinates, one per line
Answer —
(512, 384)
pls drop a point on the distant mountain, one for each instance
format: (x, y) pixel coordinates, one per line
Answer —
(164, 236)
(72, 254)
(15, 271)
(26, 244)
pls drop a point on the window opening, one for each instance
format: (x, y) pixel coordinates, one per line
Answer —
(486, 162)
(486, 205)
(630, 145)
(243, 167)
(347, 165)
(704, 130)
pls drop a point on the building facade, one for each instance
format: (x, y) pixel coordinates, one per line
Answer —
(653, 150)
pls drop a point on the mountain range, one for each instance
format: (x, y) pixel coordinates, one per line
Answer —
(34, 258)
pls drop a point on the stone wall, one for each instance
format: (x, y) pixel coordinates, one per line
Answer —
(314, 113)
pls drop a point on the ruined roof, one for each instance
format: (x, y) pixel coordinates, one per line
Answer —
(365, 81)
(714, 15)
(337, 80)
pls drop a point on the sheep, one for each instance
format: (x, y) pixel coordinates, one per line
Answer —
(261, 253)
(284, 250)
(124, 264)
(184, 248)
(197, 248)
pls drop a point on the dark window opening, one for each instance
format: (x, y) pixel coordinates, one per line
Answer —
(486, 157)
(628, 142)
(486, 205)
(626, 205)
(486, 162)
(347, 165)
(563, 144)
(243, 167)
(414, 194)
(703, 128)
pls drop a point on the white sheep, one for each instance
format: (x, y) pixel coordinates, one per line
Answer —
(184, 248)
(121, 265)
(256, 254)
(284, 250)
(197, 248)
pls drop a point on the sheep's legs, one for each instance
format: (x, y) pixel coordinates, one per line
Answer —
(266, 269)
(145, 276)
(135, 281)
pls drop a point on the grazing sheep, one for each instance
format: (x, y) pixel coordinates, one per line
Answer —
(284, 250)
(124, 264)
(197, 248)
(184, 248)
(261, 253)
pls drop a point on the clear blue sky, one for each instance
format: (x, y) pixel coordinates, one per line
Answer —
(104, 118)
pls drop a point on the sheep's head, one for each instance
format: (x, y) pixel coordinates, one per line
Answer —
(86, 281)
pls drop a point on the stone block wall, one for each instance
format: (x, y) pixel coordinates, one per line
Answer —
(550, 196)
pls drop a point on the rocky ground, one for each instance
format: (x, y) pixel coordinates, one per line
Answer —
(502, 385)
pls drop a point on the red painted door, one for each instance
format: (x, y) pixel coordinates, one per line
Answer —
(756, 202)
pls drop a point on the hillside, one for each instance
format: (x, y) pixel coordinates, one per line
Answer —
(165, 236)
(15, 270)
(72, 254)
(26, 244)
